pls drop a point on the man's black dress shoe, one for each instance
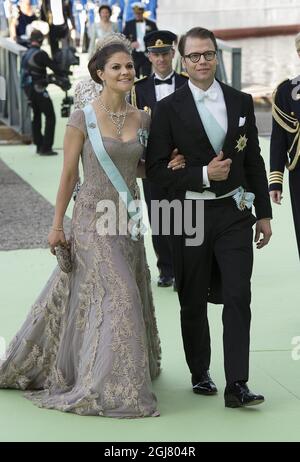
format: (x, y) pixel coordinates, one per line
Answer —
(165, 281)
(48, 152)
(239, 395)
(204, 385)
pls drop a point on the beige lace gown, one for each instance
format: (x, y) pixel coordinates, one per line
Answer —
(90, 343)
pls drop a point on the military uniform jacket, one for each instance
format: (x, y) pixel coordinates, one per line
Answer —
(130, 29)
(285, 138)
(176, 124)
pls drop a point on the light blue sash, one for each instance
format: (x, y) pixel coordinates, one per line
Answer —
(113, 173)
(216, 134)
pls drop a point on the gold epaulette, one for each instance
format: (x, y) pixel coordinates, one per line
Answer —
(289, 124)
(139, 80)
(133, 97)
(184, 74)
(147, 109)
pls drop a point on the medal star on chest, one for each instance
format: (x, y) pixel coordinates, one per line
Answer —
(241, 143)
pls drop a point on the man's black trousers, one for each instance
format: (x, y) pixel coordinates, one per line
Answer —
(41, 103)
(228, 237)
(161, 243)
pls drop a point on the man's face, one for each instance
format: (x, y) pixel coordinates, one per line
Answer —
(139, 14)
(162, 62)
(203, 71)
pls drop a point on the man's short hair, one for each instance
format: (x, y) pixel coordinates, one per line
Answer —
(196, 32)
(36, 36)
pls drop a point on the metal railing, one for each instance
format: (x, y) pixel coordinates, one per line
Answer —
(236, 64)
(14, 110)
(222, 72)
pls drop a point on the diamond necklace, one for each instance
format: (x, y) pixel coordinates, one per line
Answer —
(117, 118)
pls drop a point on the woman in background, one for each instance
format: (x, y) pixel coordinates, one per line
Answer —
(23, 17)
(101, 29)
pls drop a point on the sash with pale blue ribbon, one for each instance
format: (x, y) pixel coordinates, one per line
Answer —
(216, 134)
(138, 228)
(243, 199)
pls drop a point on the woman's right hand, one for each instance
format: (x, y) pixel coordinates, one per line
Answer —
(56, 238)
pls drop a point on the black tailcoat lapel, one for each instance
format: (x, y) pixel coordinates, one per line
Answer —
(186, 109)
(180, 80)
(150, 91)
(233, 103)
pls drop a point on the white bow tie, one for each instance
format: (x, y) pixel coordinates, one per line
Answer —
(209, 94)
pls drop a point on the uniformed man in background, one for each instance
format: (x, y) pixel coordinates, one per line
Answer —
(285, 144)
(144, 95)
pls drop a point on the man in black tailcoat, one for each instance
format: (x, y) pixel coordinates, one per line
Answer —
(135, 30)
(213, 126)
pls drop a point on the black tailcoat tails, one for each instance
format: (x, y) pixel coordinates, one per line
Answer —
(227, 230)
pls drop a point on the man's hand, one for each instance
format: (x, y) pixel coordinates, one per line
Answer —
(135, 45)
(218, 169)
(263, 227)
(276, 196)
(177, 160)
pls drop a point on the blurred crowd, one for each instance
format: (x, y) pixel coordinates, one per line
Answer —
(81, 17)
(69, 26)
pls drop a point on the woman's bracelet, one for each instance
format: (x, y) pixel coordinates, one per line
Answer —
(58, 228)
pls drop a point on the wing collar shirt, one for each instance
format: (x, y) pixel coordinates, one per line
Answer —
(140, 34)
(57, 12)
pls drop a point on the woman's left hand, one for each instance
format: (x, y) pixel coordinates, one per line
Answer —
(177, 160)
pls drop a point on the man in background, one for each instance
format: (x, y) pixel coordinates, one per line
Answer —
(135, 30)
(57, 13)
(34, 82)
(145, 95)
(285, 144)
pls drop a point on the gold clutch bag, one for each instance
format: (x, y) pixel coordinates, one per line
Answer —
(64, 259)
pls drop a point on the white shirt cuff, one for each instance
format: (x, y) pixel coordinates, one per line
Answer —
(206, 182)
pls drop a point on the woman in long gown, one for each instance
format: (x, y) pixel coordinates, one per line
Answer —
(101, 29)
(90, 343)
